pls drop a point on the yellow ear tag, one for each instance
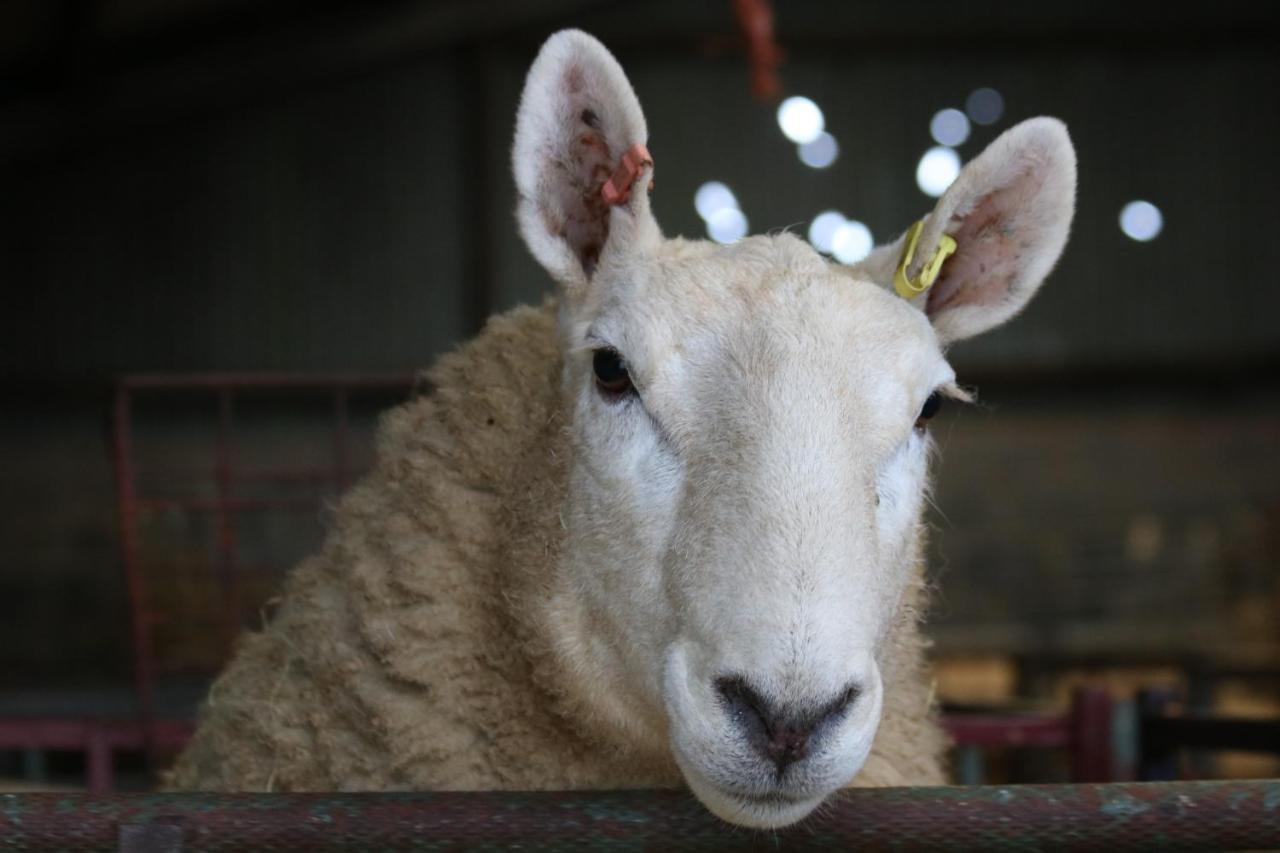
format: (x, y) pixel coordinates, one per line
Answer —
(905, 287)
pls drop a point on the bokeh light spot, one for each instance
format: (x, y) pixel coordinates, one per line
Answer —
(949, 127)
(938, 168)
(823, 229)
(820, 153)
(800, 119)
(1141, 221)
(985, 105)
(712, 197)
(852, 242)
(727, 225)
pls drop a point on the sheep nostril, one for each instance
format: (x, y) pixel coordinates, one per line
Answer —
(781, 737)
(841, 703)
(745, 706)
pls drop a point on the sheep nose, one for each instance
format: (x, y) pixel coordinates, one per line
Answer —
(782, 736)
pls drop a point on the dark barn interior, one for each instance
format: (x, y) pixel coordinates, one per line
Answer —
(272, 215)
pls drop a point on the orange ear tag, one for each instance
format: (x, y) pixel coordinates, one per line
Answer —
(617, 190)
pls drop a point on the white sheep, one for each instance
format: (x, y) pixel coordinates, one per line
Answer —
(664, 529)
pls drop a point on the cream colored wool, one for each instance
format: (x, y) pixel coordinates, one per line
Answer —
(404, 657)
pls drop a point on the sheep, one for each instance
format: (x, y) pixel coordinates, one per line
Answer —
(662, 530)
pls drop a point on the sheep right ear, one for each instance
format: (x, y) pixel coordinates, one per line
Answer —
(578, 116)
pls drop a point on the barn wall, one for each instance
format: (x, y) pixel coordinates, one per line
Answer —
(359, 218)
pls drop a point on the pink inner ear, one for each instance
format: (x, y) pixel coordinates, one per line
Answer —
(581, 216)
(988, 262)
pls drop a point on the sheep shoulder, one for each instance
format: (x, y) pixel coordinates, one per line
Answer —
(402, 656)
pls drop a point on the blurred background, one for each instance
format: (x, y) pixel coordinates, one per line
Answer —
(231, 232)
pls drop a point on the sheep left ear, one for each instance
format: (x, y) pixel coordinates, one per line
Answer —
(578, 119)
(1009, 212)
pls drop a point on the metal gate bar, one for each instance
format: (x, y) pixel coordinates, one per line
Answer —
(224, 506)
(1113, 817)
(1084, 731)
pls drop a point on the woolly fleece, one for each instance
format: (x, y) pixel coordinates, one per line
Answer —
(404, 655)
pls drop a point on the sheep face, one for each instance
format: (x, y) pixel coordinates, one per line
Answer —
(742, 512)
(748, 427)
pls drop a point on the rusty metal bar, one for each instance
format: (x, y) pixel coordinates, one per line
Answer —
(98, 739)
(74, 733)
(1116, 817)
(995, 730)
(99, 762)
(1091, 723)
(131, 557)
(227, 569)
(1085, 731)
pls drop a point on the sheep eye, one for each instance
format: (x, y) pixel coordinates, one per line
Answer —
(611, 372)
(929, 409)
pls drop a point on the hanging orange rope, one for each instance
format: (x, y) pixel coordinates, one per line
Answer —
(755, 17)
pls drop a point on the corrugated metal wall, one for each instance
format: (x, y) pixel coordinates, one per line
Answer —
(331, 227)
(318, 232)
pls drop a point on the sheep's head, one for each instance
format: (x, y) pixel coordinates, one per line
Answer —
(749, 435)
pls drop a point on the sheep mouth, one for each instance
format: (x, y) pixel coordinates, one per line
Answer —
(793, 792)
(754, 804)
(771, 798)
(772, 809)
(759, 807)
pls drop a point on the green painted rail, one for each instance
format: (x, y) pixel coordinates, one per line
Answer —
(1113, 817)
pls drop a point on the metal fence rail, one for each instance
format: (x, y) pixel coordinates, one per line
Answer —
(1113, 817)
